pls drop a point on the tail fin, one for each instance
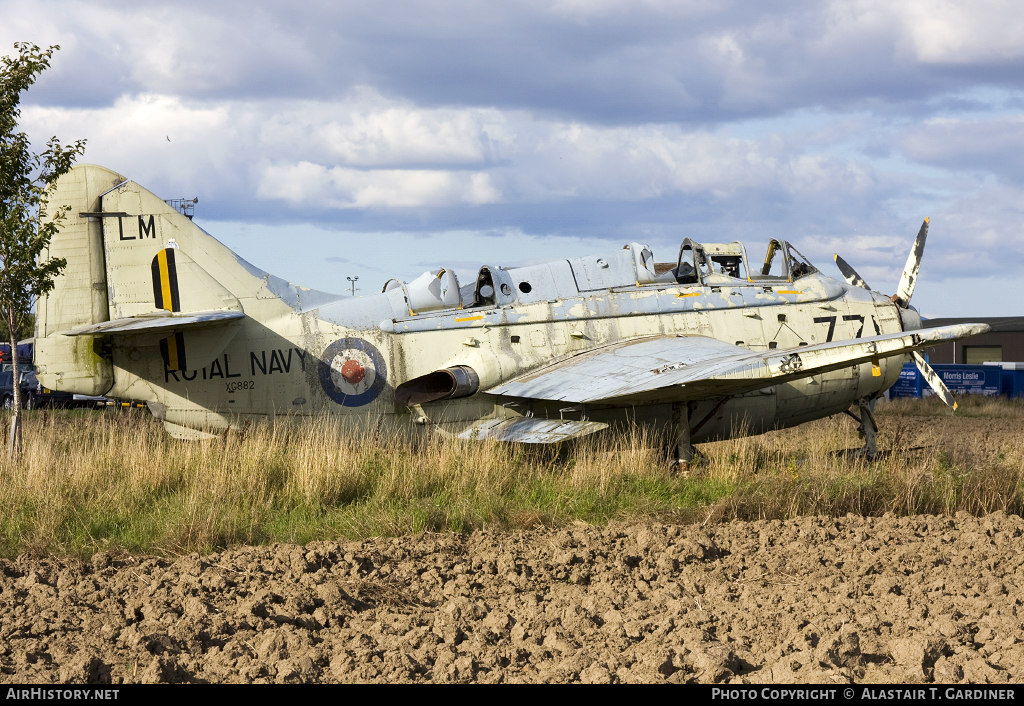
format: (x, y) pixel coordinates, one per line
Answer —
(137, 267)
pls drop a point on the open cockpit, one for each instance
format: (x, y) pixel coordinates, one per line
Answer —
(697, 265)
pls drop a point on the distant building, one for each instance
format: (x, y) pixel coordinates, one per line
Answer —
(1005, 343)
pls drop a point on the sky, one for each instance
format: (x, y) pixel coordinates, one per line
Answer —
(335, 140)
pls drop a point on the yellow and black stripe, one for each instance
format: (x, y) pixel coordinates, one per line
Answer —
(172, 349)
(165, 281)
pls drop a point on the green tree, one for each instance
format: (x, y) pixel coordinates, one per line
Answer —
(26, 182)
(27, 330)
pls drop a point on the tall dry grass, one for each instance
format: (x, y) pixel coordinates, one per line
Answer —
(90, 481)
(931, 462)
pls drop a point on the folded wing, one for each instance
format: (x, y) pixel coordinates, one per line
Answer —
(694, 367)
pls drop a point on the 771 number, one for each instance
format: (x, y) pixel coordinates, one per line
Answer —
(831, 321)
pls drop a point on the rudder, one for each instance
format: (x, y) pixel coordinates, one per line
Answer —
(79, 296)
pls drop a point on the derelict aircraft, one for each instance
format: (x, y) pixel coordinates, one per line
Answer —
(151, 307)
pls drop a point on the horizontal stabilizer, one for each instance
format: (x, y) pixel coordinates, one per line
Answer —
(695, 367)
(527, 430)
(195, 316)
(158, 322)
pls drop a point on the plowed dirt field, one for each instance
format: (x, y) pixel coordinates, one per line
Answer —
(811, 600)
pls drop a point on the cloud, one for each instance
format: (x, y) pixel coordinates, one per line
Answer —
(340, 187)
(606, 62)
(948, 32)
(366, 129)
(206, 152)
(363, 153)
(379, 163)
(994, 145)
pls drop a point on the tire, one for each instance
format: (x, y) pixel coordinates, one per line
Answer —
(30, 401)
(8, 402)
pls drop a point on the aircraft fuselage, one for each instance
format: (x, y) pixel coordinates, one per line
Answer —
(294, 364)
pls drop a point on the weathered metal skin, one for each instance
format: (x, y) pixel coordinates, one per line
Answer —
(253, 345)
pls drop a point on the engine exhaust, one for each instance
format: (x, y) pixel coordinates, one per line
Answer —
(447, 384)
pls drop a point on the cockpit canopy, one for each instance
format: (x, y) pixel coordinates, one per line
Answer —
(698, 264)
(432, 291)
(718, 263)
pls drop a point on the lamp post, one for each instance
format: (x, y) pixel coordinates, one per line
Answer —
(352, 283)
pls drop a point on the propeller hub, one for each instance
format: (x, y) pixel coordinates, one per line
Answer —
(911, 318)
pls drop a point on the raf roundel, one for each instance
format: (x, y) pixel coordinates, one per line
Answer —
(352, 372)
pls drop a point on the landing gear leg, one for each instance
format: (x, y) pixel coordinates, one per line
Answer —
(682, 449)
(868, 428)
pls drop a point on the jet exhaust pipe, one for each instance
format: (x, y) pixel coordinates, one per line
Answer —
(447, 384)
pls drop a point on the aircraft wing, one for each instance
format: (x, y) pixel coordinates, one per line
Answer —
(679, 368)
(159, 322)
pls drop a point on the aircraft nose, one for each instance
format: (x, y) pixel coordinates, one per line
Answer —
(911, 318)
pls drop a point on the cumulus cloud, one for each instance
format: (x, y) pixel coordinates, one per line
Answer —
(949, 32)
(361, 154)
(367, 130)
(339, 187)
(161, 141)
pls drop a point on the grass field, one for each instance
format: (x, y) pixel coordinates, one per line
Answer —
(109, 481)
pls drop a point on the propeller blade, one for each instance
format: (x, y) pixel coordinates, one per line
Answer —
(909, 278)
(934, 380)
(850, 274)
